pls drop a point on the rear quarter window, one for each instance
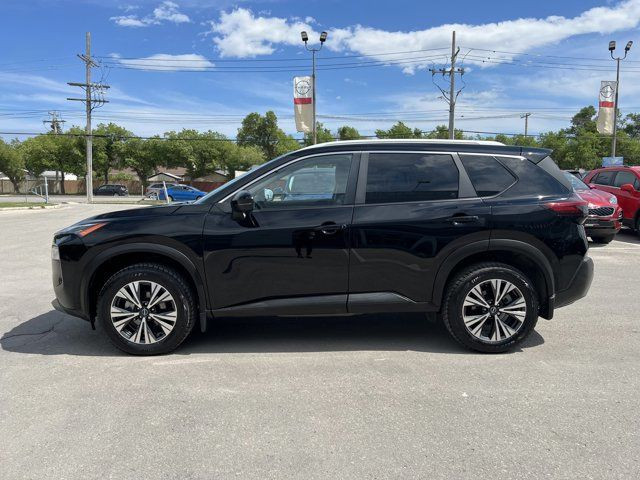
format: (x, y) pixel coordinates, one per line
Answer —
(532, 179)
(488, 176)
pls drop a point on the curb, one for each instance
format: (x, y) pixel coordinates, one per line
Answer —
(39, 207)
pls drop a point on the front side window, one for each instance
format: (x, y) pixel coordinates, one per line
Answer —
(487, 175)
(315, 181)
(411, 177)
(624, 177)
(604, 178)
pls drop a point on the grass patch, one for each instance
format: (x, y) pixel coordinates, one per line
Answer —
(24, 204)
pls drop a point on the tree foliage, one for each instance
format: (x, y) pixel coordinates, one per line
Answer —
(11, 163)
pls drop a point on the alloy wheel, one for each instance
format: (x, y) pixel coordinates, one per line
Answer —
(494, 310)
(143, 312)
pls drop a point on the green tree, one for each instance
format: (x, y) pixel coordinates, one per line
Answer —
(584, 120)
(142, 156)
(631, 125)
(108, 148)
(348, 133)
(11, 163)
(399, 130)
(441, 132)
(39, 154)
(323, 135)
(263, 132)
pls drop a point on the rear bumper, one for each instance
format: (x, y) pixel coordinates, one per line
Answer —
(579, 285)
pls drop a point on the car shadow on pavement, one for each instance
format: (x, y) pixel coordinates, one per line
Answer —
(54, 333)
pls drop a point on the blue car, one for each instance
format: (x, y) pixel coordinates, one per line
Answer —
(181, 193)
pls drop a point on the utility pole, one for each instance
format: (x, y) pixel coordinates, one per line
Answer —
(612, 47)
(305, 39)
(451, 96)
(56, 129)
(526, 123)
(90, 102)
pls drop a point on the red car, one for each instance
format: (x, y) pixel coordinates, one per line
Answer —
(605, 215)
(624, 183)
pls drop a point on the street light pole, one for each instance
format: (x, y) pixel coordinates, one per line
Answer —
(612, 47)
(305, 39)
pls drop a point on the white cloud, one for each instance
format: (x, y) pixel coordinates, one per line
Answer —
(166, 63)
(167, 11)
(240, 33)
(128, 21)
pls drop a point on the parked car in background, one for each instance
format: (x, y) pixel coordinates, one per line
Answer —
(485, 235)
(605, 215)
(181, 193)
(624, 183)
(577, 172)
(154, 188)
(112, 190)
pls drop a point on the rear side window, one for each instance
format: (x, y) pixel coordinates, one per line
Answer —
(624, 177)
(487, 175)
(532, 179)
(411, 177)
(604, 178)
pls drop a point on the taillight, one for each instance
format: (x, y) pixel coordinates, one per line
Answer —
(571, 207)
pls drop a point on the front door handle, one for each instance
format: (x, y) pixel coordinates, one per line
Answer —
(460, 219)
(330, 228)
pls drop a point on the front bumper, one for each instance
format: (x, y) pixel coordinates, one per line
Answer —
(601, 227)
(579, 285)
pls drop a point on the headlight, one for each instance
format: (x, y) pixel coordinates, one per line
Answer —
(55, 252)
(84, 229)
(613, 200)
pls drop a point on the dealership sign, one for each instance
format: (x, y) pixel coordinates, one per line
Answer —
(612, 161)
(303, 103)
(606, 113)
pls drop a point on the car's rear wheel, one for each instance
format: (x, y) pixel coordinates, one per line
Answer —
(147, 309)
(490, 307)
(604, 239)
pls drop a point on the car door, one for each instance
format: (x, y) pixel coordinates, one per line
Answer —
(412, 210)
(628, 201)
(290, 255)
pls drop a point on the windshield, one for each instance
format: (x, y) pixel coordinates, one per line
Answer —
(576, 183)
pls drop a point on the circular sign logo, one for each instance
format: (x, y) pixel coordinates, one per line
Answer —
(303, 87)
(606, 91)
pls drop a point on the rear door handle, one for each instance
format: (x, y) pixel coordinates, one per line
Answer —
(459, 219)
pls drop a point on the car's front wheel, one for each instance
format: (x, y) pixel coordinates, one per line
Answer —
(490, 307)
(147, 309)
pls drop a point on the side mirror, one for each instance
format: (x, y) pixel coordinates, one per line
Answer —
(241, 204)
(591, 185)
(627, 187)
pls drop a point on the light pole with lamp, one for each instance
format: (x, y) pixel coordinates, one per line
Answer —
(305, 39)
(612, 47)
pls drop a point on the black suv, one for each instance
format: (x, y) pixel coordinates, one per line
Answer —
(487, 235)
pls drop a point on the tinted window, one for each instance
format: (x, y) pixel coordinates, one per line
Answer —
(532, 180)
(624, 177)
(410, 177)
(576, 183)
(487, 175)
(604, 178)
(315, 181)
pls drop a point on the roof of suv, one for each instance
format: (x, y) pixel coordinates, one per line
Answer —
(466, 146)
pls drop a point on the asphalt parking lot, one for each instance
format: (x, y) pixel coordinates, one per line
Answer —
(349, 397)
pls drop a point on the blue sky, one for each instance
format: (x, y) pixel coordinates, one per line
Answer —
(544, 57)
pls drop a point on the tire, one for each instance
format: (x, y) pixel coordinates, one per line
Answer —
(158, 335)
(603, 240)
(478, 278)
(116, 194)
(198, 198)
(170, 198)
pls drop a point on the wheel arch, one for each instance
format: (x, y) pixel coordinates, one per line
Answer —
(518, 254)
(114, 259)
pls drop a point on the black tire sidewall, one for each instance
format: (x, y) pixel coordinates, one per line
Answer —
(460, 289)
(181, 295)
(604, 239)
